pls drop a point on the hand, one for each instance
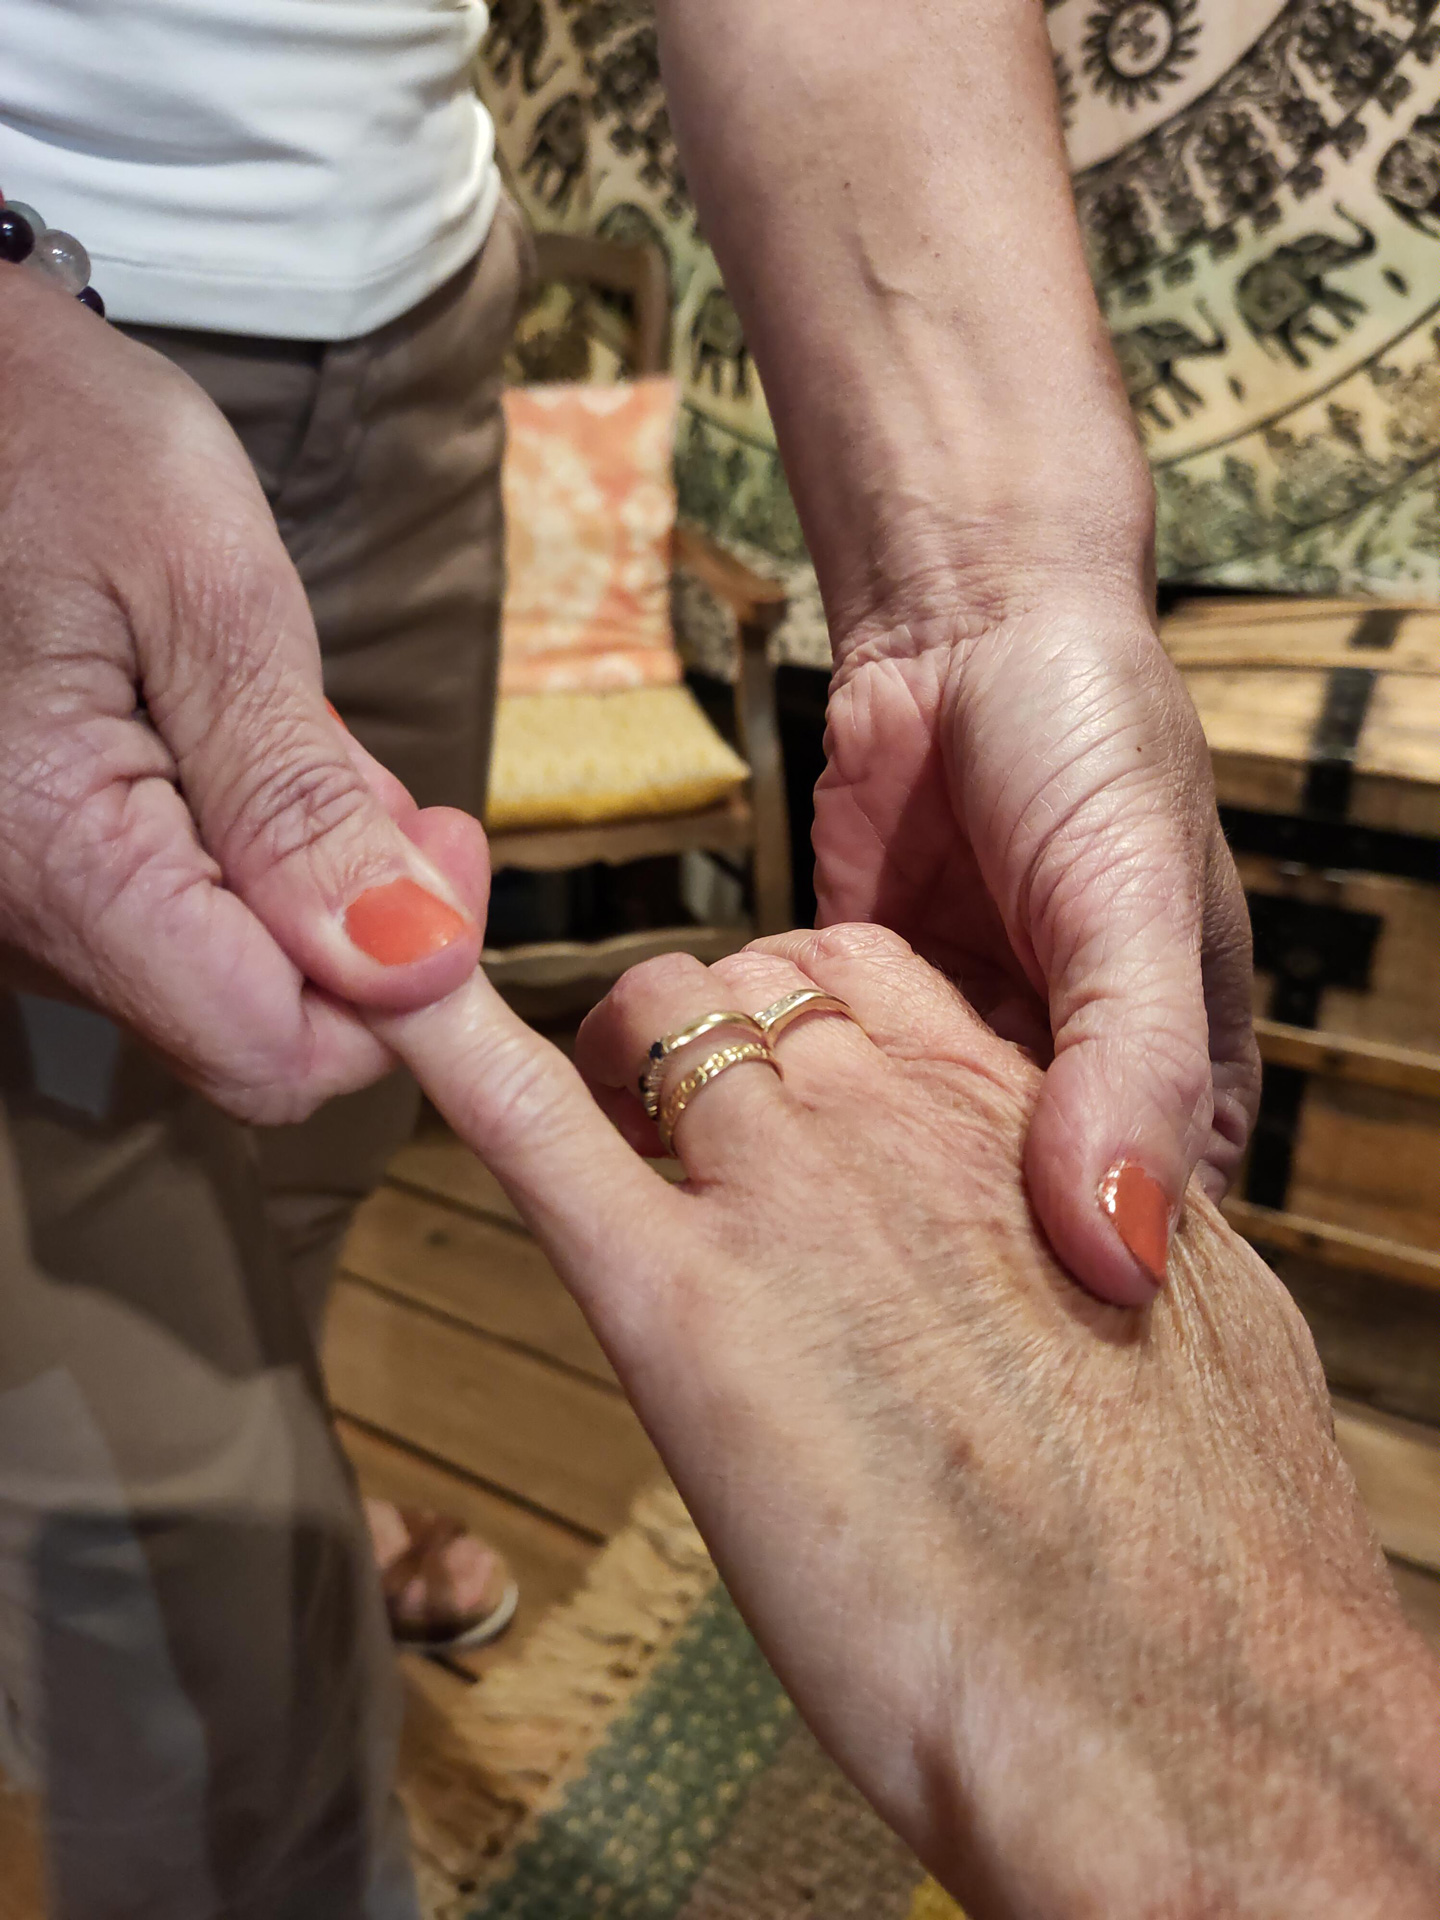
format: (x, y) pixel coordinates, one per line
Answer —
(1017, 782)
(187, 837)
(1082, 1599)
(1030, 803)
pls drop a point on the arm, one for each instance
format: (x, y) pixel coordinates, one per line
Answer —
(887, 194)
(1016, 778)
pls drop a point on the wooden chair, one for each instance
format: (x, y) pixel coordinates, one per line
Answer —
(752, 822)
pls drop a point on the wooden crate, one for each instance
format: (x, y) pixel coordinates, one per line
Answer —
(1356, 956)
(1323, 719)
(1325, 713)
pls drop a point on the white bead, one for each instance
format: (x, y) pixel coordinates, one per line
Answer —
(60, 257)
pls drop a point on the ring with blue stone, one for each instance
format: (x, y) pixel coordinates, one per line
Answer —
(660, 1050)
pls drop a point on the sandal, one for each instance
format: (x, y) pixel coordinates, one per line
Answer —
(445, 1588)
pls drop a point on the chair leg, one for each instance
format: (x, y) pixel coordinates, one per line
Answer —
(760, 742)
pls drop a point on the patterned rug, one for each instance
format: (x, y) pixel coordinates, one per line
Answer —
(639, 1760)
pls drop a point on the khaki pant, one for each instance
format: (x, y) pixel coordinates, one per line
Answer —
(194, 1663)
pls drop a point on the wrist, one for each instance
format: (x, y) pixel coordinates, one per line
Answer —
(1271, 1751)
(1025, 526)
(1319, 1794)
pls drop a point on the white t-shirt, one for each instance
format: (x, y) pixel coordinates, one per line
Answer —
(293, 169)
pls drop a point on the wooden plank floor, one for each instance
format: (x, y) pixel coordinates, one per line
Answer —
(465, 1379)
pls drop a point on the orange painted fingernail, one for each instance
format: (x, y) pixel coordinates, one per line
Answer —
(1135, 1201)
(400, 922)
(334, 713)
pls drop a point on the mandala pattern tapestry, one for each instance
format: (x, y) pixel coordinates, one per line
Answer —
(1258, 184)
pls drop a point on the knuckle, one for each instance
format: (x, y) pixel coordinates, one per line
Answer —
(284, 807)
(272, 1078)
(749, 971)
(1157, 1053)
(104, 849)
(229, 658)
(1193, 1089)
(516, 1094)
(1181, 1075)
(666, 977)
(276, 1100)
(857, 940)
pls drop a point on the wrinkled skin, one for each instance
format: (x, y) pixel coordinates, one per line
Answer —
(182, 825)
(1082, 1598)
(1031, 805)
(1016, 780)
(182, 822)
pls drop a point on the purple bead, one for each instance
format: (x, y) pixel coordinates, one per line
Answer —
(88, 297)
(61, 258)
(17, 238)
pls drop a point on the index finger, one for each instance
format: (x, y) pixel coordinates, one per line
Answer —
(518, 1103)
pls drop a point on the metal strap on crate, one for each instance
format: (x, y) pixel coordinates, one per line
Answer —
(1307, 948)
(1341, 721)
(1304, 947)
(1333, 846)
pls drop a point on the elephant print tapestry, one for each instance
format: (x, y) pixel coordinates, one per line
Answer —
(1258, 186)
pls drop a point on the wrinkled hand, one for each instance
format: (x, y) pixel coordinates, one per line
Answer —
(1083, 1599)
(1031, 805)
(183, 825)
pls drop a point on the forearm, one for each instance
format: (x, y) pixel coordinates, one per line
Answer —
(1237, 1720)
(886, 191)
(1301, 1775)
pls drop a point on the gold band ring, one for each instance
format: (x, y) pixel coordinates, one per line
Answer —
(661, 1050)
(710, 1068)
(774, 1019)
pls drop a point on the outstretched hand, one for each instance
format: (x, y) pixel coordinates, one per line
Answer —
(1083, 1599)
(188, 838)
(1031, 806)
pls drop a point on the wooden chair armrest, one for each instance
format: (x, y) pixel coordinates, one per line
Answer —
(580, 261)
(758, 604)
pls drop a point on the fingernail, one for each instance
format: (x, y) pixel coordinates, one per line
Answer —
(400, 922)
(1135, 1201)
(334, 713)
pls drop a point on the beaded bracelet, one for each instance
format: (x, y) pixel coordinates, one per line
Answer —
(24, 236)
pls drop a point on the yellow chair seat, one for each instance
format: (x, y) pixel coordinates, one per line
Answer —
(574, 759)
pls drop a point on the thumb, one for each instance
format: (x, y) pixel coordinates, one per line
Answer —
(1125, 1111)
(302, 832)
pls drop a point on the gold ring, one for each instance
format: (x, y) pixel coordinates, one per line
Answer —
(661, 1050)
(710, 1068)
(774, 1019)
